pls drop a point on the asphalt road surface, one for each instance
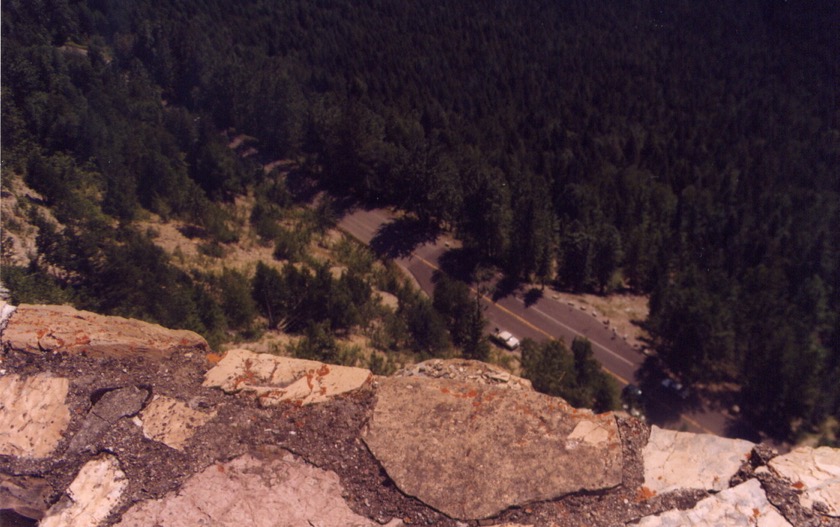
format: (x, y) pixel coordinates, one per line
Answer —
(549, 318)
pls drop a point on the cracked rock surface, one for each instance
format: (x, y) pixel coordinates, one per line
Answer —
(680, 460)
(254, 491)
(472, 450)
(139, 431)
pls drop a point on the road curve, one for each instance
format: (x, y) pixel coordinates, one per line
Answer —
(546, 318)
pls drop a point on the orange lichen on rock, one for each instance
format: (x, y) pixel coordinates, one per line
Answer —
(213, 358)
(644, 494)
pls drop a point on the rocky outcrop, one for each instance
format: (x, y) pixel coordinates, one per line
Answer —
(33, 414)
(171, 421)
(62, 329)
(258, 492)
(745, 505)
(815, 472)
(472, 450)
(679, 460)
(162, 437)
(273, 379)
(91, 497)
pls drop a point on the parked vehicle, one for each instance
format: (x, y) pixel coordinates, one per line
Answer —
(631, 400)
(674, 387)
(505, 339)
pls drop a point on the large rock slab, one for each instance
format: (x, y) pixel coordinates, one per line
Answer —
(743, 506)
(680, 460)
(276, 379)
(92, 496)
(472, 450)
(815, 472)
(38, 328)
(33, 414)
(171, 421)
(253, 492)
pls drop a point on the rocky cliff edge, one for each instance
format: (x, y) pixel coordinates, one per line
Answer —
(110, 421)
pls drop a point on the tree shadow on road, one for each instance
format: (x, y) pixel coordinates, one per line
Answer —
(505, 287)
(460, 263)
(662, 407)
(399, 238)
(532, 296)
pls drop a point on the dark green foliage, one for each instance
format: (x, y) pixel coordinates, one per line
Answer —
(31, 286)
(690, 148)
(575, 376)
(426, 328)
(290, 244)
(236, 300)
(318, 343)
(464, 316)
(297, 297)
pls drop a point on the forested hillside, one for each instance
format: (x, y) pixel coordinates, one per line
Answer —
(682, 149)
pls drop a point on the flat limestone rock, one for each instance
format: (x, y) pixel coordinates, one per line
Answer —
(471, 450)
(171, 421)
(745, 505)
(33, 414)
(40, 328)
(680, 460)
(91, 497)
(277, 379)
(253, 492)
(815, 472)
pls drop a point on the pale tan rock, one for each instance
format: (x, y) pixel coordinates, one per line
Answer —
(171, 421)
(743, 506)
(38, 328)
(815, 472)
(91, 497)
(274, 492)
(680, 460)
(33, 414)
(277, 379)
(471, 449)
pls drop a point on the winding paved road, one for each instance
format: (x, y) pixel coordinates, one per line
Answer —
(549, 318)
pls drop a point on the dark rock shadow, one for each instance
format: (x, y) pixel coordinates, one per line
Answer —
(399, 238)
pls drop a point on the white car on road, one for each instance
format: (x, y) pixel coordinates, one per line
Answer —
(504, 338)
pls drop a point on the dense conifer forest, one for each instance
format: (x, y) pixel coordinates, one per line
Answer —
(687, 150)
